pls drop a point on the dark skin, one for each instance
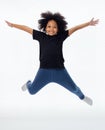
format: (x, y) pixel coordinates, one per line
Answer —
(27, 29)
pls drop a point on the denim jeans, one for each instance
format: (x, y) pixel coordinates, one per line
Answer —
(59, 76)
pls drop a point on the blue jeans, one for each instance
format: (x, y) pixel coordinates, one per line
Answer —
(60, 76)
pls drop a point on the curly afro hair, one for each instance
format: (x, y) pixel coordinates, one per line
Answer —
(57, 17)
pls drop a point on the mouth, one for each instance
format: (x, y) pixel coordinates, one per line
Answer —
(51, 33)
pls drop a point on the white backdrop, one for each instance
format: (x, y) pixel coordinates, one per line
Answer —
(53, 107)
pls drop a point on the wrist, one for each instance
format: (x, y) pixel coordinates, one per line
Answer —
(12, 25)
(89, 23)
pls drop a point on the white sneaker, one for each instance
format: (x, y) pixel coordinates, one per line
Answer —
(24, 87)
(88, 100)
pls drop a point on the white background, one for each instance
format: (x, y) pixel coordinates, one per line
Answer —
(53, 107)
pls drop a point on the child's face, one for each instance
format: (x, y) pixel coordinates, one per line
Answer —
(51, 28)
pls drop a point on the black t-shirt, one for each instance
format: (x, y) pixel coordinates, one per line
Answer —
(51, 55)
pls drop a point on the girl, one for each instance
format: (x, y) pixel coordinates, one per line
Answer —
(51, 36)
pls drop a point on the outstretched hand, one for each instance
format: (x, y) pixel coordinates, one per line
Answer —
(9, 24)
(93, 22)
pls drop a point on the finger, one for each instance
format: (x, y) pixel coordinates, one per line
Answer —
(92, 19)
(96, 21)
(6, 21)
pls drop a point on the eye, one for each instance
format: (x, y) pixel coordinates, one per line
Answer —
(55, 27)
(49, 26)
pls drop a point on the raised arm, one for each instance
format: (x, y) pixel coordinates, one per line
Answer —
(92, 22)
(21, 27)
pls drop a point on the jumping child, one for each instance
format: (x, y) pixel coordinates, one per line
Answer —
(51, 35)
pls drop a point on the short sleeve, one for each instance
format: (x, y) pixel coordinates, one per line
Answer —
(64, 35)
(37, 35)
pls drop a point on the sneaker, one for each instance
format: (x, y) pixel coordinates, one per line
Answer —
(88, 100)
(24, 87)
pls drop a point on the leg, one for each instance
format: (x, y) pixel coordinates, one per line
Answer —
(63, 78)
(42, 78)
